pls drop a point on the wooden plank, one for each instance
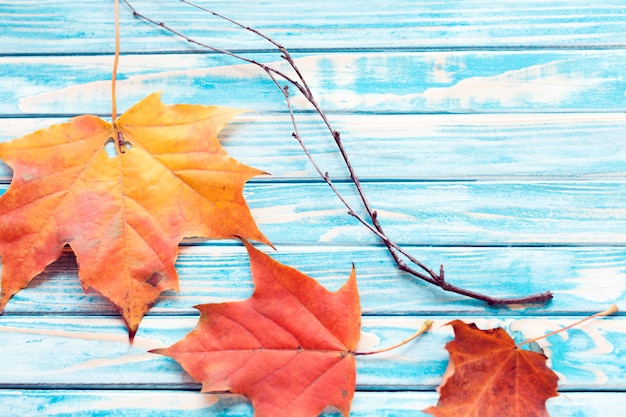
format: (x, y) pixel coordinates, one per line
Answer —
(584, 280)
(392, 82)
(323, 24)
(449, 213)
(57, 403)
(419, 147)
(446, 213)
(93, 353)
(522, 191)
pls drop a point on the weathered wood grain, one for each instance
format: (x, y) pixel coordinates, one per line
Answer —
(63, 27)
(168, 403)
(391, 82)
(584, 280)
(93, 352)
(404, 147)
(433, 213)
(489, 136)
(499, 213)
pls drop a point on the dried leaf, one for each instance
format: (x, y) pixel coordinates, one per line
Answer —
(123, 216)
(288, 347)
(489, 376)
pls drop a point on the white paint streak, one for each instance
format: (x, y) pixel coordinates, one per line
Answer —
(138, 85)
(542, 84)
(343, 233)
(602, 345)
(335, 79)
(138, 342)
(289, 214)
(440, 71)
(161, 401)
(368, 342)
(357, 229)
(98, 363)
(600, 285)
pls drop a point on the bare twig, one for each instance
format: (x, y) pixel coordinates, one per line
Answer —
(418, 269)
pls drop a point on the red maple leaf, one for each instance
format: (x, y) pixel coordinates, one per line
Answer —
(288, 348)
(490, 376)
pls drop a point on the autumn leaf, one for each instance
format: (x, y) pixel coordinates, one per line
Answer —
(490, 376)
(122, 215)
(288, 347)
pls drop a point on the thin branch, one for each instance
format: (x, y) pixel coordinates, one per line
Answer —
(418, 270)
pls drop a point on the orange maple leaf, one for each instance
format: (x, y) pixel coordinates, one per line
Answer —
(490, 376)
(288, 347)
(123, 216)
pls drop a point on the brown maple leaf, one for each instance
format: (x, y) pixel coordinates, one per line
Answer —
(288, 347)
(490, 376)
(123, 216)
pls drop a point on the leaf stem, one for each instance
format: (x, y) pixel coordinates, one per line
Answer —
(425, 327)
(115, 63)
(609, 311)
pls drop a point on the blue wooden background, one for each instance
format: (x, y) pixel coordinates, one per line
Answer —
(491, 137)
